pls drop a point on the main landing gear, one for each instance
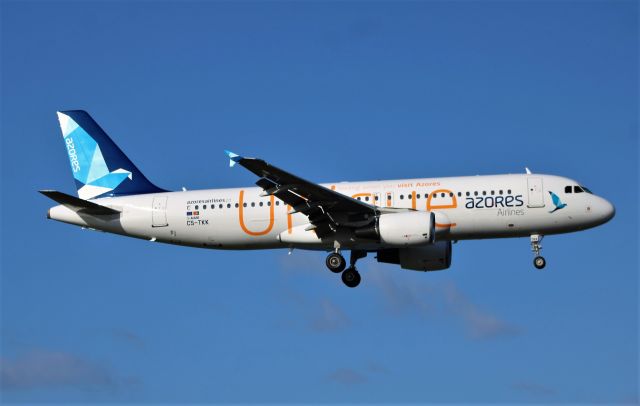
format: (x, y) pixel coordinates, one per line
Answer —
(539, 262)
(336, 263)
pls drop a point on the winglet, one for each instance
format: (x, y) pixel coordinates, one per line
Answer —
(233, 158)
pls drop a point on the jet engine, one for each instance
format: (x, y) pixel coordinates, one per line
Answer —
(403, 229)
(433, 257)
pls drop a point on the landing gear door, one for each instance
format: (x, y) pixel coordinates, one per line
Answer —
(535, 192)
(159, 212)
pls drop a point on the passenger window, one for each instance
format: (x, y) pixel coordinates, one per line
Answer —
(509, 191)
(220, 206)
(576, 189)
(204, 207)
(401, 197)
(567, 189)
(228, 205)
(493, 192)
(475, 193)
(441, 194)
(376, 198)
(484, 193)
(388, 197)
(269, 204)
(236, 205)
(196, 207)
(244, 205)
(253, 204)
(366, 198)
(459, 194)
(261, 204)
(499, 192)
(468, 193)
(418, 196)
(278, 203)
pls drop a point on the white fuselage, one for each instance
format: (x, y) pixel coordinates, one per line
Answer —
(474, 207)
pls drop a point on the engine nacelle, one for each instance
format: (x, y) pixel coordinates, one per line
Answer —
(433, 257)
(407, 228)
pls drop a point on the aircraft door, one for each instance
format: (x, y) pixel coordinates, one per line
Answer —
(388, 199)
(535, 192)
(159, 212)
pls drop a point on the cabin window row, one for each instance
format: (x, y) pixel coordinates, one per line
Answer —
(236, 205)
(460, 194)
(376, 198)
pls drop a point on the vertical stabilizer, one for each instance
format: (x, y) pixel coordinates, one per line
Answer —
(99, 167)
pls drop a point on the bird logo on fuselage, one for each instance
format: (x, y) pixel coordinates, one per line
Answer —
(556, 202)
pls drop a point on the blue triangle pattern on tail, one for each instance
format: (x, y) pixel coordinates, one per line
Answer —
(99, 167)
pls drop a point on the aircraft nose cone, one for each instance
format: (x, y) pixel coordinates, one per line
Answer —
(607, 210)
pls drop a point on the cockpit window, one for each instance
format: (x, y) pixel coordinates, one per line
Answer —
(567, 189)
(586, 190)
(577, 189)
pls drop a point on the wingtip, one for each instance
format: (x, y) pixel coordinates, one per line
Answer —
(233, 157)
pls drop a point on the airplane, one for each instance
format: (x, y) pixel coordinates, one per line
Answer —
(408, 222)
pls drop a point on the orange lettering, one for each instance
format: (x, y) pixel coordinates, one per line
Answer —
(241, 216)
(452, 205)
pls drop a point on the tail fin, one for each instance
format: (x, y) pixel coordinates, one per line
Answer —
(99, 167)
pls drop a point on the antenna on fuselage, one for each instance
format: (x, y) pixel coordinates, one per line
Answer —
(527, 170)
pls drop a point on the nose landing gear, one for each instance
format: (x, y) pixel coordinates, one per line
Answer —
(336, 263)
(539, 262)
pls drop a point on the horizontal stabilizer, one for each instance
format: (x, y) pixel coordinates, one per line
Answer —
(78, 205)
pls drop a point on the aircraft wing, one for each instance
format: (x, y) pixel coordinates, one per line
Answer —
(326, 209)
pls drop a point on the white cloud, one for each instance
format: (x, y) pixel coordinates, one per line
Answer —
(478, 322)
(347, 376)
(330, 317)
(430, 300)
(42, 368)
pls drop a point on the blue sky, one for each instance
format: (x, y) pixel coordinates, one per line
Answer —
(331, 91)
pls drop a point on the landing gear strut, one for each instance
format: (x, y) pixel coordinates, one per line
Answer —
(539, 262)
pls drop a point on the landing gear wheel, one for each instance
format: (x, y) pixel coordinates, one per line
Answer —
(539, 262)
(336, 262)
(351, 277)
